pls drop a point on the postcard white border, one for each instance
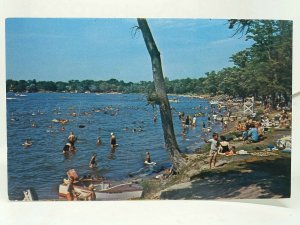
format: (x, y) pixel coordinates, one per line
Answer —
(153, 212)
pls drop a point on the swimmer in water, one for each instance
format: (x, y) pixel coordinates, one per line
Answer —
(99, 142)
(147, 159)
(154, 119)
(93, 162)
(27, 143)
(113, 140)
(66, 148)
(72, 139)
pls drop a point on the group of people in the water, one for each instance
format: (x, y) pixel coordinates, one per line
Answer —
(70, 147)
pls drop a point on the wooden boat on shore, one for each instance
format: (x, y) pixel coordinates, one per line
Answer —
(104, 192)
(119, 192)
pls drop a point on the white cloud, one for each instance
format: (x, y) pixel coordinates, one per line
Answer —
(222, 41)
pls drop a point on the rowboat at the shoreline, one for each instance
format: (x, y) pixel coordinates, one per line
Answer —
(89, 188)
(104, 191)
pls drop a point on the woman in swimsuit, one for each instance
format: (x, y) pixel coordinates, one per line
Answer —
(224, 144)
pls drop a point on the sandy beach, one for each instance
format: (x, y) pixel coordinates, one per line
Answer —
(259, 174)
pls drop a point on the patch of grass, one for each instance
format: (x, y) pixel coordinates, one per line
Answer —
(150, 186)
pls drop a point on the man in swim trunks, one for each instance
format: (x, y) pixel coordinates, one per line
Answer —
(113, 140)
(72, 138)
(213, 149)
(93, 162)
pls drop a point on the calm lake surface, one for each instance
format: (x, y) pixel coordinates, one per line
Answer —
(43, 166)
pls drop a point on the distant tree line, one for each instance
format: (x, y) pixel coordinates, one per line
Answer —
(264, 69)
(178, 86)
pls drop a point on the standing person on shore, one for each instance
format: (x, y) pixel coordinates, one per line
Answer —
(213, 149)
(113, 140)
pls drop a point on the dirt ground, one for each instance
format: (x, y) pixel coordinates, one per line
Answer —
(249, 176)
(264, 178)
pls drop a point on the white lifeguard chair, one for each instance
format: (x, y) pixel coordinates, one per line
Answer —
(249, 105)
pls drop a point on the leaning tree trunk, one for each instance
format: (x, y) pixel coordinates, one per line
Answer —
(164, 106)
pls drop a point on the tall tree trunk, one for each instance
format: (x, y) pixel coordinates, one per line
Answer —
(164, 106)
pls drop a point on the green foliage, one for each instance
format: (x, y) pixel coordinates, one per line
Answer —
(264, 69)
(267, 64)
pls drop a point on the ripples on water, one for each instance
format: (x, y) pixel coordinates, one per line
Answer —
(43, 166)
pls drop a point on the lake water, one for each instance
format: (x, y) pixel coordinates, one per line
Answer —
(43, 166)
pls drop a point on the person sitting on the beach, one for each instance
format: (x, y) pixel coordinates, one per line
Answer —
(71, 195)
(231, 152)
(224, 144)
(213, 149)
(93, 162)
(245, 134)
(147, 159)
(260, 131)
(239, 126)
(253, 133)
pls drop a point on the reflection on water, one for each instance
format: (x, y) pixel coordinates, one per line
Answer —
(43, 166)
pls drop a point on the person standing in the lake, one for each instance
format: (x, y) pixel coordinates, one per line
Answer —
(72, 139)
(113, 140)
(147, 159)
(93, 162)
(194, 121)
(99, 141)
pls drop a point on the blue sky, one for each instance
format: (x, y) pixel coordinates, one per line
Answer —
(100, 49)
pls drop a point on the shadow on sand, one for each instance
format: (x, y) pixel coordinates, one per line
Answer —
(269, 178)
